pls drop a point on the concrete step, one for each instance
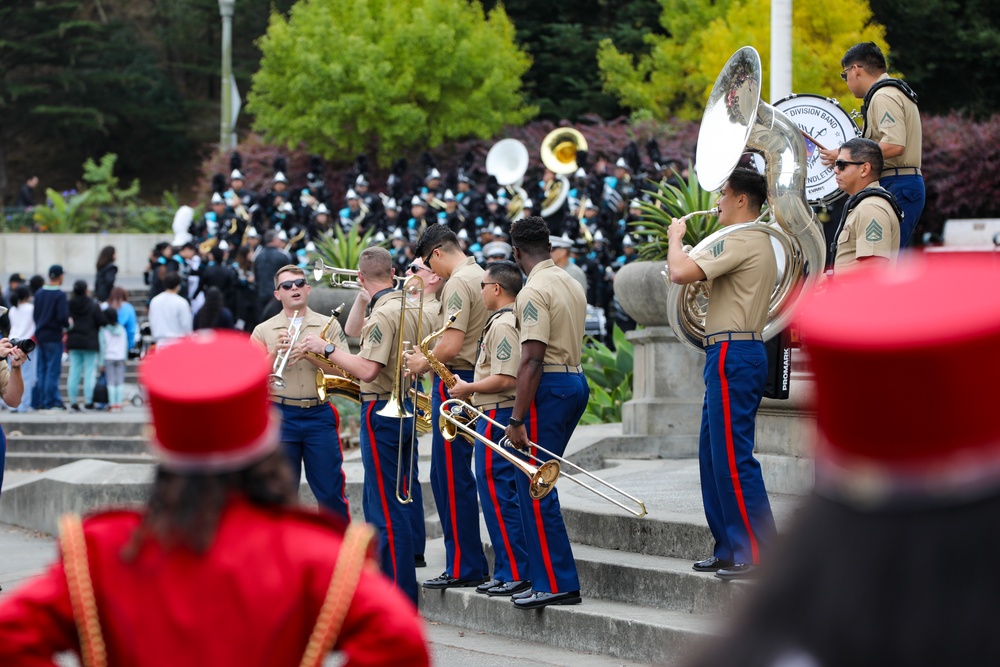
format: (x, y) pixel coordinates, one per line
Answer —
(94, 424)
(82, 446)
(49, 460)
(627, 631)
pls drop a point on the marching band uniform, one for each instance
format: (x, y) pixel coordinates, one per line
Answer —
(870, 229)
(552, 309)
(253, 595)
(309, 427)
(496, 477)
(452, 480)
(380, 440)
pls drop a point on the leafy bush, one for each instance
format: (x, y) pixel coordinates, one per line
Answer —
(674, 202)
(343, 250)
(609, 375)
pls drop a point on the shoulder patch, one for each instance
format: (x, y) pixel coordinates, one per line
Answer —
(375, 336)
(455, 302)
(718, 248)
(530, 312)
(504, 349)
(886, 118)
(873, 232)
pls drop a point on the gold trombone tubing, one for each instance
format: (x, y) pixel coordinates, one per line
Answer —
(345, 278)
(547, 479)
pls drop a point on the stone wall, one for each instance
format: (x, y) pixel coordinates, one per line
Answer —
(33, 253)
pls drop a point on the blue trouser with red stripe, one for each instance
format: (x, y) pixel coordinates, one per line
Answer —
(456, 497)
(310, 435)
(418, 527)
(559, 403)
(496, 478)
(380, 443)
(910, 194)
(732, 486)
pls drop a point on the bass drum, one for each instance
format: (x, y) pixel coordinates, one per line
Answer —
(823, 119)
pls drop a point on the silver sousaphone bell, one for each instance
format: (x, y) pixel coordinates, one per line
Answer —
(736, 120)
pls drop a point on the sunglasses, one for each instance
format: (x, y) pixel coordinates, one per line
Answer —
(843, 75)
(413, 268)
(842, 164)
(289, 284)
(483, 285)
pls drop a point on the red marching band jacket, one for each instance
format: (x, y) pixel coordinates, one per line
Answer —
(252, 599)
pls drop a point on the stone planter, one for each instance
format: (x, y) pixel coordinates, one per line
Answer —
(642, 293)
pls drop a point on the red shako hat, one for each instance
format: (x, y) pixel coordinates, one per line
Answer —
(907, 364)
(209, 401)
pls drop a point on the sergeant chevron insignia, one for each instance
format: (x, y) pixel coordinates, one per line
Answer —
(504, 349)
(455, 302)
(375, 336)
(530, 313)
(717, 249)
(873, 232)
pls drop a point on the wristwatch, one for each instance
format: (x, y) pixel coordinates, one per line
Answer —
(328, 350)
(515, 422)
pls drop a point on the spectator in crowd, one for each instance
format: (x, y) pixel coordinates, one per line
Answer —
(246, 290)
(114, 352)
(86, 319)
(22, 327)
(35, 283)
(213, 314)
(51, 321)
(11, 387)
(169, 312)
(16, 280)
(265, 266)
(217, 273)
(106, 272)
(26, 195)
(125, 314)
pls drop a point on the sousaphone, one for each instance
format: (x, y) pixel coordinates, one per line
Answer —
(507, 161)
(736, 120)
(558, 152)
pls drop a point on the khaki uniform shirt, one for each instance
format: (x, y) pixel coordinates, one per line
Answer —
(871, 230)
(894, 119)
(432, 315)
(379, 342)
(552, 309)
(5, 377)
(742, 272)
(462, 292)
(499, 354)
(300, 377)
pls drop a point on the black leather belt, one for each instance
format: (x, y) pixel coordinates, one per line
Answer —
(297, 402)
(732, 335)
(901, 171)
(374, 397)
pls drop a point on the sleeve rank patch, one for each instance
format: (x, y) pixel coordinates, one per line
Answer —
(887, 119)
(873, 232)
(455, 302)
(375, 336)
(717, 249)
(504, 349)
(530, 313)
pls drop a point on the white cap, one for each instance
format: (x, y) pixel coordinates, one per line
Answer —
(223, 245)
(627, 241)
(310, 247)
(527, 204)
(449, 195)
(252, 233)
(351, 194)
(598, 236)
(622, 164)
(635, 203)
(463, 235)
(282, 235)
(496, 249)
(217, 198)
(580, 173)
(490, 199)
(497, 231)
(432, 174)
(287, 207)
(398, 234)
(391, 203)
(322, 209)
(560, 242)
(417, 201)
(379, 238)
(237, 175)
(592, 204)
(280, 178)
(361, 180)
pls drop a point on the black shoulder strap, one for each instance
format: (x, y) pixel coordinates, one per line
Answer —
(853, 202)
(883, 83)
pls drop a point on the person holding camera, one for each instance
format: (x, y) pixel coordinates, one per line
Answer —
(11, 382)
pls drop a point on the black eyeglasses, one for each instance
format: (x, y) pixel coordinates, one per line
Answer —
(289, 284)
(427, 258)
(842, 164)
(483, 285)
(843, 75)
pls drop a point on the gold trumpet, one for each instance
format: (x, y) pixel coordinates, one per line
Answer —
(545, 475)
(345, 278)
(280, 361)
(448, 432)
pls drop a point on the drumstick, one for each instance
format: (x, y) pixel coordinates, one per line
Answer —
(806, 135)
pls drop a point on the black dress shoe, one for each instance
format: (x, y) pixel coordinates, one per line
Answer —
(526, 593)
(487, 585)
(418, 561)
(712, 564)
(538, 599)
(508, 588)
(739, 571)
(444, 580)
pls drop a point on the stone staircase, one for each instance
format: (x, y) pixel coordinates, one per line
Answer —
(41, 441)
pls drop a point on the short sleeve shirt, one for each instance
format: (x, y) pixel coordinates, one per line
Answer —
(462, 293)
(894, 119)
(742, 272)
(300, 377)
(499, 354)
(432, 314)
(379, 343)
(551, 308)
(870, 230)
(4, 377)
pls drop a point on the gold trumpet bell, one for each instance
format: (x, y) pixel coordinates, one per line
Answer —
(449, 428)
(544, 479)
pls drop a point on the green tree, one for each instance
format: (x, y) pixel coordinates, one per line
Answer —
(387, 75)
(676, 77)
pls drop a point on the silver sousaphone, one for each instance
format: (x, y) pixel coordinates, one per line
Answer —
(736, 120)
